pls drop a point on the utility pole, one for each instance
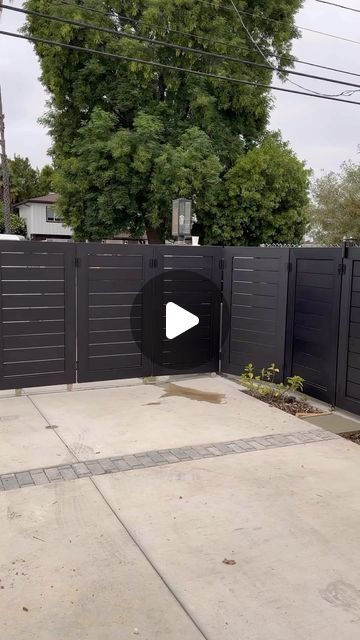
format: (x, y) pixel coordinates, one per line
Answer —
(5, 171)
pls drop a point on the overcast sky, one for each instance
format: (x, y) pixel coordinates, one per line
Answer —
(321, 132)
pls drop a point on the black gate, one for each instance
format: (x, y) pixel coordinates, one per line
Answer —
(313, 319)
(112, 334)
(348, 391)
(122, 293)
(255, 290)
(37, 314)
(190, 277)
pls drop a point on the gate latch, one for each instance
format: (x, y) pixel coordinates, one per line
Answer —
(342, 269)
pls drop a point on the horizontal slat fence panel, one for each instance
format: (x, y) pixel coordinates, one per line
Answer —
(191, 278)
(37, 314)
(113, 316)
(255, 290)
(313, 319)
(348, 392)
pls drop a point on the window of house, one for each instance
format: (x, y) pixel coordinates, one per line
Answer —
(51, 215)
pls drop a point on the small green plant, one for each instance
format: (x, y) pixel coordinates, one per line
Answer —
(264, 385)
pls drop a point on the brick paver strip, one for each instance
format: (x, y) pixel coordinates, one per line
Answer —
(146, 459)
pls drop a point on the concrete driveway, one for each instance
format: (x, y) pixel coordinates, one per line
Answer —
(120, 505)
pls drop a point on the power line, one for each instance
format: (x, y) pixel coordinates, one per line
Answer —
(258, 16)
(205, 38)
(340, 6)
(165, 43)
(160, 65)
(255, 44)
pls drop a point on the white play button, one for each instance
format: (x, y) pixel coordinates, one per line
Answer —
(178, 320)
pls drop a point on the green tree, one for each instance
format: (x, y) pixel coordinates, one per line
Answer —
(46, 176)
(24, 180)
(265, 195)
(18, 225)
(335, 207)
(136, 125)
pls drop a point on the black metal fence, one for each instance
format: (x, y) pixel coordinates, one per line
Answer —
(86, 312)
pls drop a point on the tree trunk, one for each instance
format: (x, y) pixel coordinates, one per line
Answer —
(154, 236)
(5, 172)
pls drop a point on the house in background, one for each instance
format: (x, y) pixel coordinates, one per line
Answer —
(42, 221)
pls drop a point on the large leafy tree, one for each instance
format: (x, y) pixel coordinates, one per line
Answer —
(128, 138)
(335, 207)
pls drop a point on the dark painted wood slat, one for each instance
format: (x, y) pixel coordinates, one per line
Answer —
(253, 336)
(54, 313)
(354, 345)
(356, 268)
(253, 324)
(314, 348)
(176, 276)
(265, 302)
(355, 299)
(101, 299)
(308, 360)
(354, 330)
(353, 375)
(309, 320)
(267, 277)
(107, 337)
(37, 353)
(253, 313)
(257, 263)
(37, 340)
(32, 259)
(191, 287)
(260, 289)
(32, 301)
(311, 376)
(187, 262)
(114, 324)
(355, 314)
(28, 368)
(127, 285)
(315, 280)
(354, 360)
(315, 294)
(32, 273)
(112, 312)
(114, 286)
(31, 328)
(132, 276)
(29, 288)
(310, 335)
(33, 380)
(124, 262)
(264, 353)
(119, 348)
(353, 390)
(356, 283)
(109, 363)
(312, 307)
(316, 266)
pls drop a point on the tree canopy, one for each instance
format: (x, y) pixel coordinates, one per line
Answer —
(335, 208)
(129, 138)
(27, 182)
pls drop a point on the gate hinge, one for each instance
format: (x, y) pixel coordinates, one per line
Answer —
(342, 269)
(153, 263)
(222, 264)
(289, 267)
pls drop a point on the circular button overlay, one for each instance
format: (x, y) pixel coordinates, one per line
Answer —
(176, 318)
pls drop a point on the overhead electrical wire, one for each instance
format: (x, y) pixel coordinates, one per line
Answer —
(205, 38)
(160, 65)
(156, 42)
(256, 45)
(340, 6)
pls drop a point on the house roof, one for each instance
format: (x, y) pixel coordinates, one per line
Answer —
(50, 198)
